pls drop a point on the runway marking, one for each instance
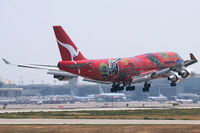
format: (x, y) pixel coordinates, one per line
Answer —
(95, 121)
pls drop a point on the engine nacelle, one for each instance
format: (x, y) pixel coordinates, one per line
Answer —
(174, 77)
(187, 73)
(62, 78)
(61, 75)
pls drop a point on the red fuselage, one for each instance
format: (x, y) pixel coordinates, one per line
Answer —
(120, 69)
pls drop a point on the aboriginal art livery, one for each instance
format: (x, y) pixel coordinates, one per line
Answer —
(122, 73)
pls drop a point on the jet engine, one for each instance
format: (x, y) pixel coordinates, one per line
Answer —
(62, 78)
(61, 75)
(187, 73)
(174, 77)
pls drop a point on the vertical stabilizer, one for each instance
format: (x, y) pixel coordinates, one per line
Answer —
(68, 50)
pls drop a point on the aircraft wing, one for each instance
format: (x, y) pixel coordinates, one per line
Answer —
(185, 63)
(52, 70)
(163, 72)
(34, 66)
(191, 61)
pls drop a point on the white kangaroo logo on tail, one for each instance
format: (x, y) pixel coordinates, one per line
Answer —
(72, 51)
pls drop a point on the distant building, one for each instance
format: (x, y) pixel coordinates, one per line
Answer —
(10, 92)
(9, 89)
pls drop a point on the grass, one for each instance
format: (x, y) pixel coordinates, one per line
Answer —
(165, 114)
(99, 128)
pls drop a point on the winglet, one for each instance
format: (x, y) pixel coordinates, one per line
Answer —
(192, 57)
(7, 62)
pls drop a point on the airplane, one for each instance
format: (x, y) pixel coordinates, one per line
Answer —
(109, 94)
(102, 96)
(75, 98)
(184, 101)
(160, 98)
(39, 102)
(122, 73)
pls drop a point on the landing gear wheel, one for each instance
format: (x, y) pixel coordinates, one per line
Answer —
(173, 84)
(146, 87)
(116, 87)
(113, 90)
(120, 88)
(130, 88)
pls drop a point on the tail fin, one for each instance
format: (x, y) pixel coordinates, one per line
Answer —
(68, 50)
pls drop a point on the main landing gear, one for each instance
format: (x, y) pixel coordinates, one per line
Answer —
(146, 87)
(130, 88)
(117, 87)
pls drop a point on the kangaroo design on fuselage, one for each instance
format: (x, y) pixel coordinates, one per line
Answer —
(72, 51)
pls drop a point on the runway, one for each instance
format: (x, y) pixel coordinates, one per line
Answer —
(92, 106)
(75, 109)
(85, 109)
(95, 121)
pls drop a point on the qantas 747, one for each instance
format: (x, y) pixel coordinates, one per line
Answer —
(122, 73)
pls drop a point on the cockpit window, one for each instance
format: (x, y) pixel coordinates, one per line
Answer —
(179, 58)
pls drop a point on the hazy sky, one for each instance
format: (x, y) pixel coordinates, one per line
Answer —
(100, 29)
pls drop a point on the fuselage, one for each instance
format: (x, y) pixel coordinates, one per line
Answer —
(121, 69)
